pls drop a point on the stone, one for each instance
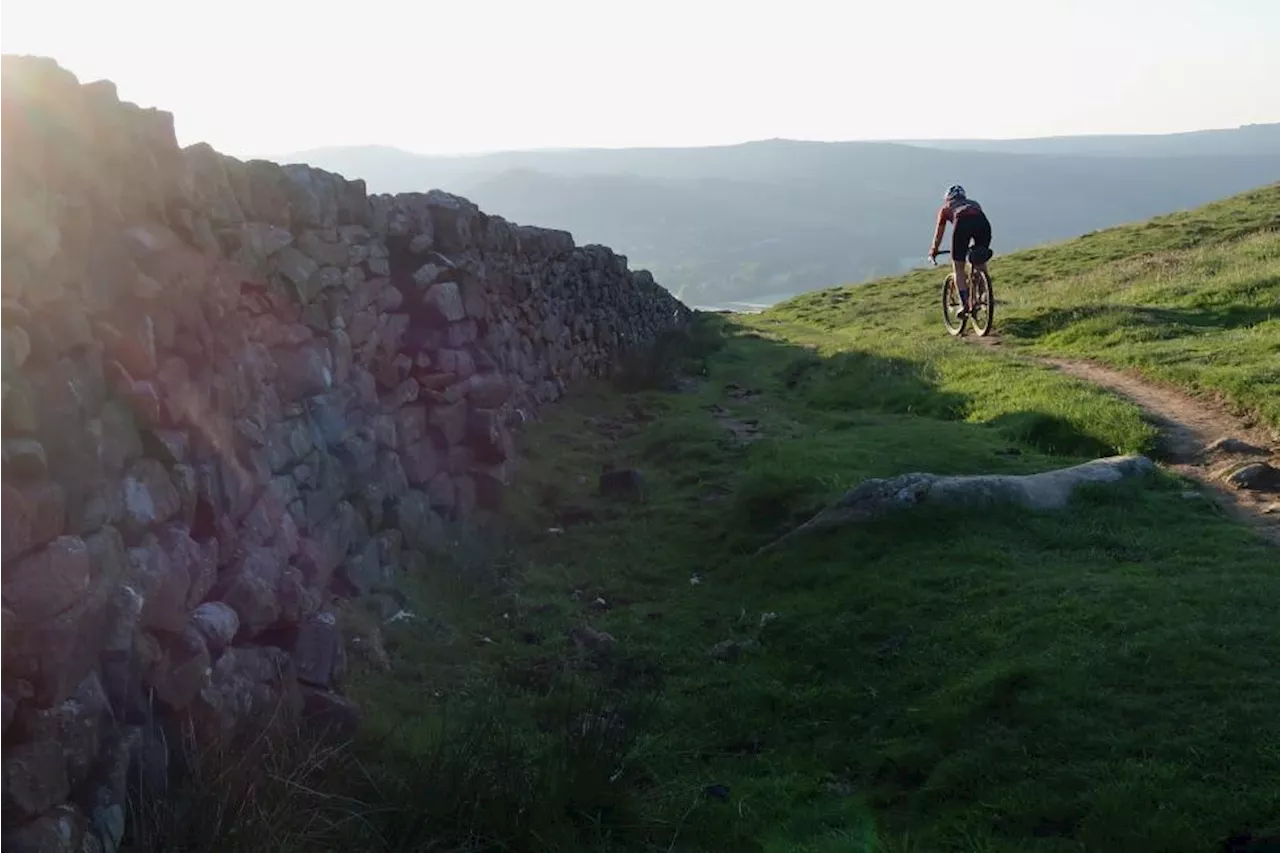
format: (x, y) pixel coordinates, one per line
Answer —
(304, 371)
(625, 483)
(33, 514)
(383, 427)
(444, 302)
(451, 420)
(1230, 444)
(391, 474)
(318, 651)
(247, 684)
(251, 591)
(1256, 476)
(217, 623)
(76, 724)
(170, 446)
(441, 492)
(17, 346)
(48, 582)
(149, 497)
(163, 587)
(61, 830)
(488, 437)
(413, 516)
(411, 425)
(183, 669)
(196, 561)
(253, 243)
(295, 266)
(420, 461)
(24, 458)
(465, 498)
(487, 390)
(35, 778)
(322, 251)
(364, 571)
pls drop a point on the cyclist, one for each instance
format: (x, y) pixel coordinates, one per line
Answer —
(970, 225)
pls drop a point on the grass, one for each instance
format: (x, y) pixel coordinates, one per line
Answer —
(1191, 299)
(1097, 679)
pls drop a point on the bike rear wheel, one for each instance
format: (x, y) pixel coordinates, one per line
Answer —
(984, 304)
(952, 319)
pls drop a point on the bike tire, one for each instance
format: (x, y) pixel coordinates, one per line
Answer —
(952, 323)
(984, 297)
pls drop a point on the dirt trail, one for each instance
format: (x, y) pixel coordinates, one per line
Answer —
(1196, 443)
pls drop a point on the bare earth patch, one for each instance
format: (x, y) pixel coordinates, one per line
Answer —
(1204, 443)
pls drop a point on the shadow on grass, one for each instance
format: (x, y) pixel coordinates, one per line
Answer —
(544, 738)
(1050, 434)
(1151, 322)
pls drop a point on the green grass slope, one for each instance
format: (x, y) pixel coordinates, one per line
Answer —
(1191, 299)
(1099, 679)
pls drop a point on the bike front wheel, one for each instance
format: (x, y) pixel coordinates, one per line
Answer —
(984, 304)
(953, 317)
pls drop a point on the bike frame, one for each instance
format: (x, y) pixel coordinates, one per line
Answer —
(968, 276)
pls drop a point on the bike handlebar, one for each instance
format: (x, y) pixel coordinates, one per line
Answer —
(934, 260)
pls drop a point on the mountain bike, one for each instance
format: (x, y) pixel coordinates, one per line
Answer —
(982, 299)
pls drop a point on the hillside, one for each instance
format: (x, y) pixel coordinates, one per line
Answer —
(768, 219)
(1249, 139)
(625, 672)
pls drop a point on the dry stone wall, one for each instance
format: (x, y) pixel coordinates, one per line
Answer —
(233, 391)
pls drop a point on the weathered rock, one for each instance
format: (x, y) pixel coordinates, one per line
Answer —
(420, 461)
(1046, 491)
(150, 497)
(413, 516)
(1256, 476)
(61, 830)
(626, 483)
(16, 523)
(252, 591)
(183, 669)
(444, 301)
(49, 581)
(24, 458)
(246, 685)
(451, 420)
(35, 777)
(318, 651)
(76, 724)
(1230, 444)
(217, 623)
(162, 586)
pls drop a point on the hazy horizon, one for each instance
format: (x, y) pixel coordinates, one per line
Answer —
(728, 144)
(266, 79)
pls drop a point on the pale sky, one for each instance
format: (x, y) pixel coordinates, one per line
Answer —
(266, 77)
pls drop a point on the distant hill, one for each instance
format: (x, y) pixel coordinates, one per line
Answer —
(1257, 139)
(762, 220)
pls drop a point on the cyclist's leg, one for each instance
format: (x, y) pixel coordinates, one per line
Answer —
(982, 240)
(961, 233)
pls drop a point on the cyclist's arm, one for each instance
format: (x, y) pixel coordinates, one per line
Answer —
(938, 229)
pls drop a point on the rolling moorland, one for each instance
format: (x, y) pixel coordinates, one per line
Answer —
(758, 222)
(623, 671)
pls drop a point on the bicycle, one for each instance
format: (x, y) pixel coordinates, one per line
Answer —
(981, 298)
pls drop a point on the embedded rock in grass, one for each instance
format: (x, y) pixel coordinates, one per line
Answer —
(1230, 444)
(626, 483)
(1047, 490)
(1256, 476)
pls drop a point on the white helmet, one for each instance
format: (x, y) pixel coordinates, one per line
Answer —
(954, 191)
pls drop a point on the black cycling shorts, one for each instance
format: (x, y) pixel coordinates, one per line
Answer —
(975, 229)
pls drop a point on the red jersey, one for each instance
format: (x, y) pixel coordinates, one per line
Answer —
(958, 207)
